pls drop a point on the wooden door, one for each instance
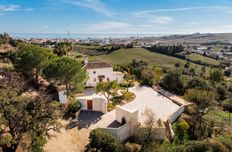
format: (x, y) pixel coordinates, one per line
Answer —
(90, 104)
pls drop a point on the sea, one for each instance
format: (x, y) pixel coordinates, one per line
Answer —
(80, 36)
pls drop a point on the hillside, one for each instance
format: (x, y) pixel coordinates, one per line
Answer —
(125, 56)
(207, 60)
(193, 38)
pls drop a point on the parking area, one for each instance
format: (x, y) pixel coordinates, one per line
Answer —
(88, 118)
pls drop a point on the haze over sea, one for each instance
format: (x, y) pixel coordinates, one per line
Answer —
(78, 36)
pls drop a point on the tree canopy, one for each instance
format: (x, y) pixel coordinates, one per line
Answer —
(216, 76)
(33, 59)
(22, 116)
(172, 81)
(108, 88)
(68, 72)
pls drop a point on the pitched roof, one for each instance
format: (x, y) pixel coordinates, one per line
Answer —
(96, 65)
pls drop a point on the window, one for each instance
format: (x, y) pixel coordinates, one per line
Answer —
(94, 80)
(108, 79)
(94, 72)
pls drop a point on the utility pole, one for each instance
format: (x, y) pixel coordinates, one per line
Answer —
(69, 39)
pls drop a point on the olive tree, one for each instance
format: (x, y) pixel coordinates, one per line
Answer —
(108, 89)
(203, 101)
(22, 116)
(129, 79)
(172, 81)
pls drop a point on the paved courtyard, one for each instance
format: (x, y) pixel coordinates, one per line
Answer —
(145, 98)
(148, 98)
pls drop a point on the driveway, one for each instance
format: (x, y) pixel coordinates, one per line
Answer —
(88, 118)
(145, 98)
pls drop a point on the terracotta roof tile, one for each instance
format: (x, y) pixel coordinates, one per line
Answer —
(96, 65)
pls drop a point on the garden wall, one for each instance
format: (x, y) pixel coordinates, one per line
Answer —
(172, 118)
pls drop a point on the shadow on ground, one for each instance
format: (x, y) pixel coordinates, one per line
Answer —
(88, 118)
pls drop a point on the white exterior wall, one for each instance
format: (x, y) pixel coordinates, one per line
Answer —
(130, 116)
(62, 96)
(118, 77)
(157, 133)
(172, 118)
(122, 133)
(99, 104)
(83, 103)
(107, 72)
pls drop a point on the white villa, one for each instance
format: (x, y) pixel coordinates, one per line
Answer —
(126, 120)
(100, 72)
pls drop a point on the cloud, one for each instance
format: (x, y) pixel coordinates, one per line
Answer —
(29, 9)
(161, 19)
(13, 8)
(226, 26)
(225, 9)
(9, 8)
(152, 19)
(95, 5)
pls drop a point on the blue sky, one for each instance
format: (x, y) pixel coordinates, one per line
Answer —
(116, 16)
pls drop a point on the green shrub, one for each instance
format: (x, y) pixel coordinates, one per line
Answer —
(129, 147)
(181, 132)
(73, 107)
(226, 105)
(173, 82)
(128, 96)
(227, 72)
(124, 84)
(201, 146)
(104, 142)
(110, 106)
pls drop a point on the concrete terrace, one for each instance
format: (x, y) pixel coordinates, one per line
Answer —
(145, 98)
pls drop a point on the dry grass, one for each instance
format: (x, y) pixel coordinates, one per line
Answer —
(71, 140)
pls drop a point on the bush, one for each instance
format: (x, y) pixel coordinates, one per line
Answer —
(201, 146)
(147, 77)
(226, 105)
(181, 132)
(227, 73)
(197, 83)
(103, 141)
(129, 147)
(147, 82)
(124, 84)
(110, 106)
(173, 82)
(73, 107)
(128, 96)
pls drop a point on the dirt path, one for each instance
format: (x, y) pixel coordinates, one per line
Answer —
(71, 140)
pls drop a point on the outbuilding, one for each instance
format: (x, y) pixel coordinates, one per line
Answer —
(93, 103)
